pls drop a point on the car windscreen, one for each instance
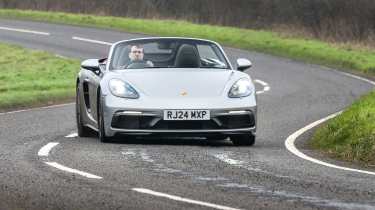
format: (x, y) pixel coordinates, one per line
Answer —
(167, 53)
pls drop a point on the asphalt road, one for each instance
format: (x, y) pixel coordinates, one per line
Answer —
(265, 176)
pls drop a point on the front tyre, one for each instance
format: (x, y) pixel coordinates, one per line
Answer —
(83, 131)
(243, 139)
(101, 130)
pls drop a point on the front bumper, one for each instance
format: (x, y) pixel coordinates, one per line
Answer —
(148, 122)
(145, 117)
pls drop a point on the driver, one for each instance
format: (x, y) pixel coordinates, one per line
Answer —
(136, 58)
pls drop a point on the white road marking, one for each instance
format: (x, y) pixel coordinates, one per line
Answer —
(265, 85)
(290, 141)
(44, 151)
(91, 40)
(358, 77)
(72, 135)
(181, 199)
(24, 31)
(71, 170)
(289, 144)
(32, 109)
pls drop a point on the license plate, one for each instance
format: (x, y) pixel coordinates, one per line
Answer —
(186, 114)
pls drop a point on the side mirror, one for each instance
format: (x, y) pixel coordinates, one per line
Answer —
(243, 64)
(90, 64)
(94, 65)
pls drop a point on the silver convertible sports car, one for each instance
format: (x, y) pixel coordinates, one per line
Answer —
(166, 86)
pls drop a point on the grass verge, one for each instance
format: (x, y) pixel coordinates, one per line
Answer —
(350, 136)
(30, 77)
(313, 51)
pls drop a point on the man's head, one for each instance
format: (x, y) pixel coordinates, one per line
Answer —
(136, 53)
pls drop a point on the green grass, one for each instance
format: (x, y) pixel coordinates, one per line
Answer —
(313, 51)
(30, 77)
(350, 136)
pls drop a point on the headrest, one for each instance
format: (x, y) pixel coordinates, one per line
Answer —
(187, 57)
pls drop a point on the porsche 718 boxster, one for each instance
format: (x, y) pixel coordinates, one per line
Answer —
(166, 86)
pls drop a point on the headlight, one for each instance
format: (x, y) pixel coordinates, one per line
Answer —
(241, 88)
(122, 89)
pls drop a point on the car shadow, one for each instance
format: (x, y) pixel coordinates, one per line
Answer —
(173, 141)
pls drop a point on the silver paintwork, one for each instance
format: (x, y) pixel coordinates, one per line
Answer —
(160, 89)
(243, 63)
